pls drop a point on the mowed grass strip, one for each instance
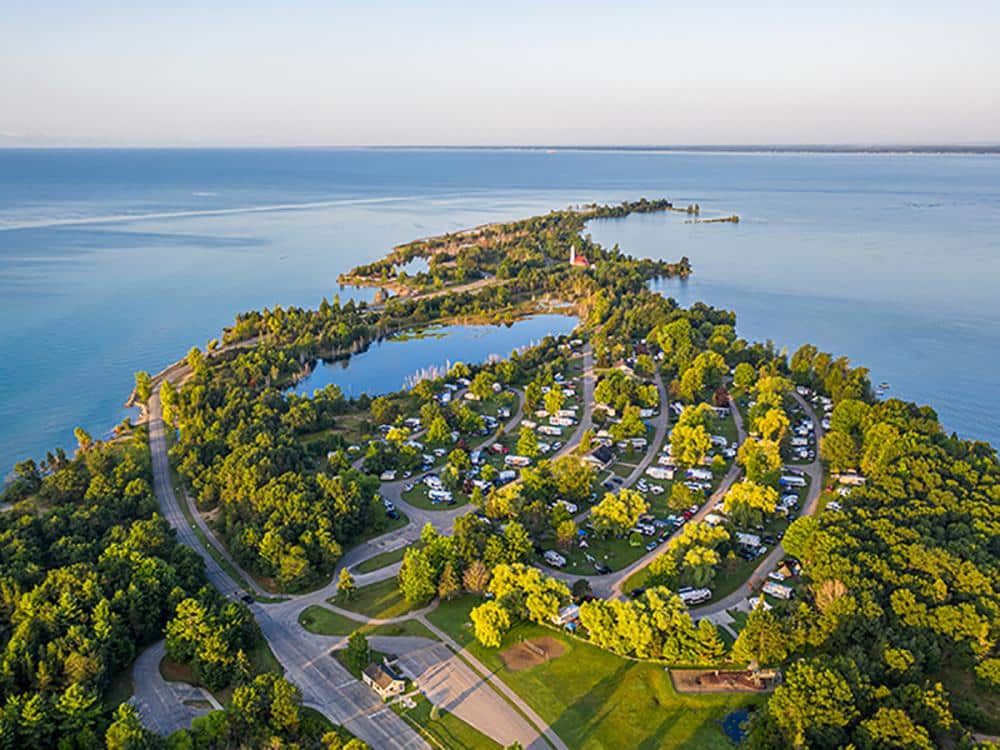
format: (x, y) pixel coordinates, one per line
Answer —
(382, 560)
(380, 601)
(447, 732)
(320, 620)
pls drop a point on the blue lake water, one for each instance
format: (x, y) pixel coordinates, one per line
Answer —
(117, 260)
(391, 364)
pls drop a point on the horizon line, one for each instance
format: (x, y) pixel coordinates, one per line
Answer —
(832, 148)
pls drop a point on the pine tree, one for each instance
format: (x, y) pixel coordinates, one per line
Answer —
(711, 649)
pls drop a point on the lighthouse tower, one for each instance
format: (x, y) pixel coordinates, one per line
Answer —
(572, 254)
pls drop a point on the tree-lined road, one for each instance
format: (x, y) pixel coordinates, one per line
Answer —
(777, 554)
(325, 684)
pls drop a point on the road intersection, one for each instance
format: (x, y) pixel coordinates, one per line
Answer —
(448, 674)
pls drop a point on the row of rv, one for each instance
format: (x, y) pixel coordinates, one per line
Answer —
(667, 472)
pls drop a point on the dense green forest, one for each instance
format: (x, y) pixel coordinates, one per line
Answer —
(90, 574)
(891, 642)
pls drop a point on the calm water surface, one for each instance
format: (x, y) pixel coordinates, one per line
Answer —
(390, 365)
(114, 261)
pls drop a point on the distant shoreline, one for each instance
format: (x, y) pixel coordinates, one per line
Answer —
(805, 149)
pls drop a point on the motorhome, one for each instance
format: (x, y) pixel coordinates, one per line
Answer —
(776, 589)
(692, 596)
(660, 472)
(518, 461)
(554, 559)
(439, 496)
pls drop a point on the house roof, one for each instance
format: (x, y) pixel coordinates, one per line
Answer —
(380, 675)
(603, 454)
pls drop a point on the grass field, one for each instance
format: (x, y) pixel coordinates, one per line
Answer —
(380, 600)
(323, 621)
(447, 732)
(383, 560)
(613, 552)
(596, 700)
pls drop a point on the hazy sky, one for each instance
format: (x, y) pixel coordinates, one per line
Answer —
(513, 72)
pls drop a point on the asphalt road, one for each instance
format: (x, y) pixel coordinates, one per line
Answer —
(777, 554)
(161, 704)
(325, 684)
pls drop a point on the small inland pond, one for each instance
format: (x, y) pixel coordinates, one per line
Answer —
(394, 363)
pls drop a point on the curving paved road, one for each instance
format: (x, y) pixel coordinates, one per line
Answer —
(720, 492)
(325, 684)
(165, 706)
(776, 555)
(610, 585)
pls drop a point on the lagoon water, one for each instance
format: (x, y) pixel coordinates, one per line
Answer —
(394, 363)
(117, 260)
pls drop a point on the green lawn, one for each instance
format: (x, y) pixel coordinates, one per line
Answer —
(323, 621)
(419, 498)
(730, 575)
(636, 580)
(613, 552)
(725, 427)
(447, 731)
(490, 406)
(739, 619)
(594, 699)
(390, 525)
(341, 656)
(453, 617)
(380, 600)
(383, 560)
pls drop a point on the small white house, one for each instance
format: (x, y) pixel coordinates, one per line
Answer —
(382, 681)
